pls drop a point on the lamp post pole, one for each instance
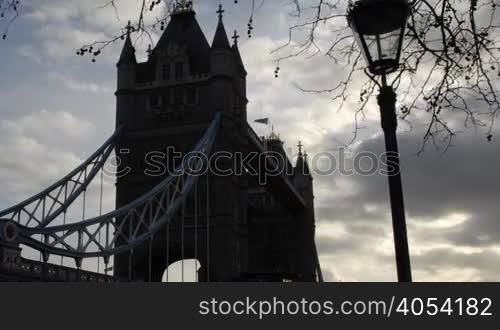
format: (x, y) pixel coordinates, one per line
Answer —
(379, 28)
(387, 103)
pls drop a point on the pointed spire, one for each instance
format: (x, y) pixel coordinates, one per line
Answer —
(302, 166)
(220, 37)
(235, 38)
(306, 163)
(220, 11)
(236, 51)
(128, 52)
(300, 148)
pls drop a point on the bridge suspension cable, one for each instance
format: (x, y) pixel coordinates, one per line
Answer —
(196, 232)
(100, 214)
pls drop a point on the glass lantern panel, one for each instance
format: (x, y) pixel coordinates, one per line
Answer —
(373, 48)
(364, 52)
(383, 46)
(389, 43)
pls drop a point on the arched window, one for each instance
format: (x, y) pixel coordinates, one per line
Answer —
(182, 271)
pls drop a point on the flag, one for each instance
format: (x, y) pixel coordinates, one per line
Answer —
(264, 121)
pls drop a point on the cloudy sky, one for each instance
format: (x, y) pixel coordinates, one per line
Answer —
(56, 108)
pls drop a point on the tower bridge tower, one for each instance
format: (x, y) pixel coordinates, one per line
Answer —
(165, 104)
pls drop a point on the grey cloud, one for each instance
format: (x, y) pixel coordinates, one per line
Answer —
(437, 261)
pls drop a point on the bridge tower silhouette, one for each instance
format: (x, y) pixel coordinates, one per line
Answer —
(248, 216)
(166, 103)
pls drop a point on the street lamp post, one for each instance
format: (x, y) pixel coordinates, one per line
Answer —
(379, 28)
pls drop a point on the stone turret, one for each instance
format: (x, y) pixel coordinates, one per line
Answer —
(228, 73)
(302, 174)
(126, 81)
(240, 76)
(302, 178)
(306, 250)
(127, 64)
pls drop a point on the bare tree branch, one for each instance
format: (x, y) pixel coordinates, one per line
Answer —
(450, 63)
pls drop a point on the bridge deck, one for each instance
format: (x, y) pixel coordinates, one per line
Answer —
(17, 269)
